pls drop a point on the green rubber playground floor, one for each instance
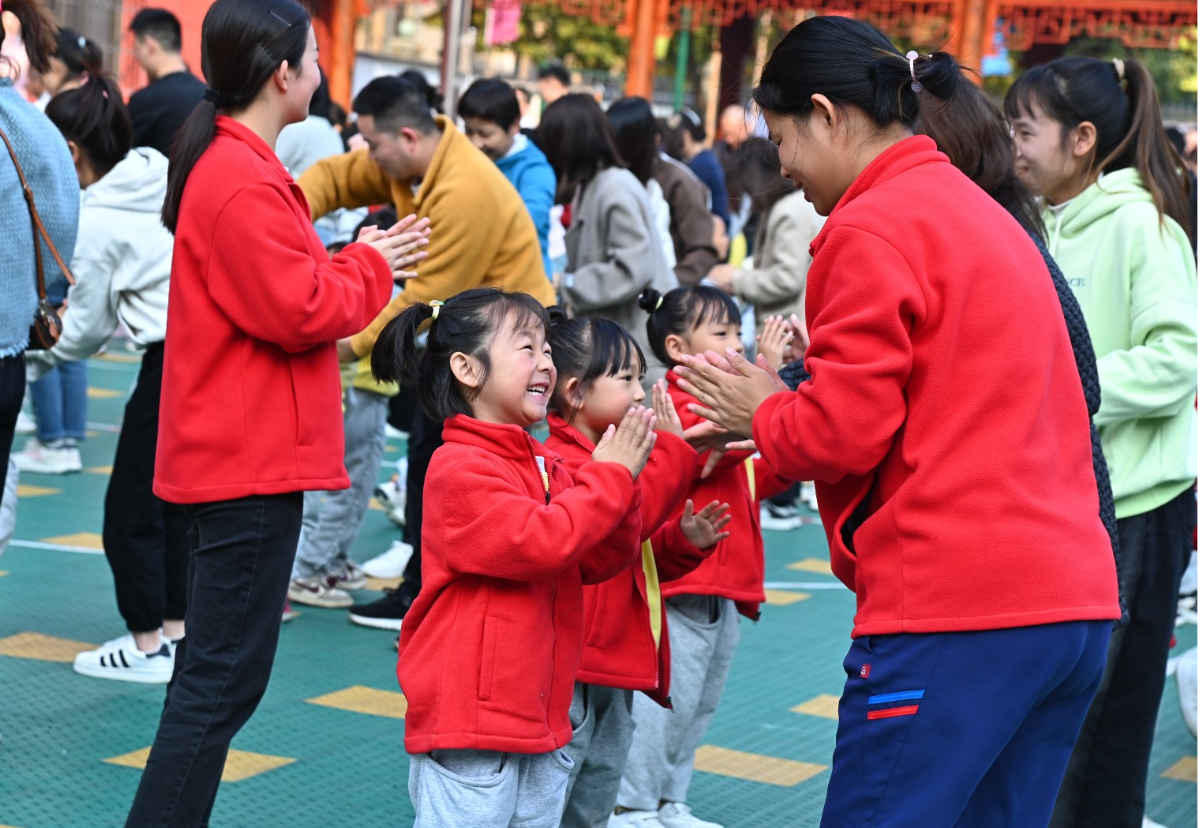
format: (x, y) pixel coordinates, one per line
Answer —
(325, 747)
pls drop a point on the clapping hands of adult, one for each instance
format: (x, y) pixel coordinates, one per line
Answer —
(401, 245)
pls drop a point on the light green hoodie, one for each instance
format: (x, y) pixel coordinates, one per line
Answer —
(1135, 279)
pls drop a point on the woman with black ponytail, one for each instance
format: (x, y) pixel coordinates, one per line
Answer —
(251, 414)
(74, 60)
(1114, 198)
(946, 430)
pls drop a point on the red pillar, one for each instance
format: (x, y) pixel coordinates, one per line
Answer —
(342, 59)
(641, 53)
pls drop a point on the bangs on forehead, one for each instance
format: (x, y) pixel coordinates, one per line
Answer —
(520, 314)
(1033, 94)
(712, 309)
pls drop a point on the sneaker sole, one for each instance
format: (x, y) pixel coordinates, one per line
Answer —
(320, 603)
(376, 623)
(382, 575)
(114, 674)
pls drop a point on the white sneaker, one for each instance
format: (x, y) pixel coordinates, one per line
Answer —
(634, 819)
(1185, 678)
(1146, 822)
(316, 591)
(390, 564)
(392, 496)
(678, 815)
(776, 518)
(26, 424)
(61, 457)
(120, 660)
(394, 433)
(808, 497)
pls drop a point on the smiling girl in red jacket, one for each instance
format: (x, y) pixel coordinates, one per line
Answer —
(945, 426)
(489, 650)
(599, 371)
(702, 605)
(250, 400)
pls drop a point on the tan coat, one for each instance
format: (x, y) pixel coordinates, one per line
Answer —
(777, 281)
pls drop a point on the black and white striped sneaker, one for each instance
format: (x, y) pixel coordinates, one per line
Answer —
(120, 660)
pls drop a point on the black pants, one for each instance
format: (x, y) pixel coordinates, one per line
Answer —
(145, 538)
(1105, 783)
(238, 574)
(12, 390)
(426, 435)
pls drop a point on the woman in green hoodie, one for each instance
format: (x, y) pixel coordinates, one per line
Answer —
(1090, 143)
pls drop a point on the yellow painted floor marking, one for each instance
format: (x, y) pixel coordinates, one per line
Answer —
(359, 699)
(812, 565)
(42, 647)
(784, 597)
(240, 764)
(755, 768)
(1184, 770)
(103, 393)
(26, 490)
(823, 705)
(88, 540)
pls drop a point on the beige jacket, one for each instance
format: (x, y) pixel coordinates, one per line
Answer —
(777, 281)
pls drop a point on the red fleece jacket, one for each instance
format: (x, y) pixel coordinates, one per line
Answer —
(252, 402)
(944, 423)
(736, 569)
(620, 648)
(489, 650)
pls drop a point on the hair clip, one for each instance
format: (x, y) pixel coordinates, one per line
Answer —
(1119, 65)
(83, 42)
(660, 300)
(916, 86)
(435, 305)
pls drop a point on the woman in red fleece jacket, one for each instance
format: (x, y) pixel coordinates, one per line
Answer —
(250, 401)
(600, 369)
(946, 430)
(489, 650)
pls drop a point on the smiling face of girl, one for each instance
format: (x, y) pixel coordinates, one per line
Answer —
(608, 399)
(520, 379)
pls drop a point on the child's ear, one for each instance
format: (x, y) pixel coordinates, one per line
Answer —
(466, 369)
(574, 393)
(675, 347)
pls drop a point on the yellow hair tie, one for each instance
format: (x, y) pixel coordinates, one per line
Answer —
(435, 304)
(660, 300)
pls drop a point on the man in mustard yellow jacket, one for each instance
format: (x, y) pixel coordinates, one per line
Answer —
(481, 236)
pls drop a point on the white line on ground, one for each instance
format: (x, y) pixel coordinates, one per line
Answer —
(56, 547)
(109, 427)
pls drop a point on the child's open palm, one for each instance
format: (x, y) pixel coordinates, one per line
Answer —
(705, 529)
(774, 340)
(666, 414)
(631, 442)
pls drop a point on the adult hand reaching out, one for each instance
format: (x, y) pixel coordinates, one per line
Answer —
(729, 389)
(401, 244)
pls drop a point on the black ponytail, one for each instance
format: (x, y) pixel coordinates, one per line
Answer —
(243, 42)
(683, 310)
(95, 119)
(1120, 100)
(80, 55)
(467, 323)
(851, 63)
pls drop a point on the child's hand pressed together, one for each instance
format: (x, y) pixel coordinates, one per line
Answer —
(774, 341)
(666, 414)
(705, 529)
(631, 442)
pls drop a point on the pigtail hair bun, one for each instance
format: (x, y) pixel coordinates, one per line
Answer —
(557, 315)
(650, 300)
(940, 74)
(396, 356)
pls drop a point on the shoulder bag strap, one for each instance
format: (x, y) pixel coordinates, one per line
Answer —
(39, 229)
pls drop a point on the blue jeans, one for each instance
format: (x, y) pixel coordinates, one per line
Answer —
(961, 730)
(238, 574)
(60, 402)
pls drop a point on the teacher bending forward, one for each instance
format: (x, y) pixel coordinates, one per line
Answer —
(251, 414)
(945, 427)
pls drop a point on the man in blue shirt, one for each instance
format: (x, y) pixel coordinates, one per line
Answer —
(491, 117)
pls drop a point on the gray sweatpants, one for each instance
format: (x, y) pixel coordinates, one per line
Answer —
(602, 728)
(331, 520)
(488, 789)
(703, 631)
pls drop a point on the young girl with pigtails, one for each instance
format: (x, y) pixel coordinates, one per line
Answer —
(702, 606)
(490, 648)
(599, 369)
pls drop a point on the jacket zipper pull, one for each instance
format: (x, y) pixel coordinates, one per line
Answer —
(543, 475)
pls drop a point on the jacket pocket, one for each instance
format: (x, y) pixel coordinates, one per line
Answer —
(488, 653)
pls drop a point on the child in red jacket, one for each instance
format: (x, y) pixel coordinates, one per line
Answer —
(702, 606)
(489, 650)
(599, 370)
